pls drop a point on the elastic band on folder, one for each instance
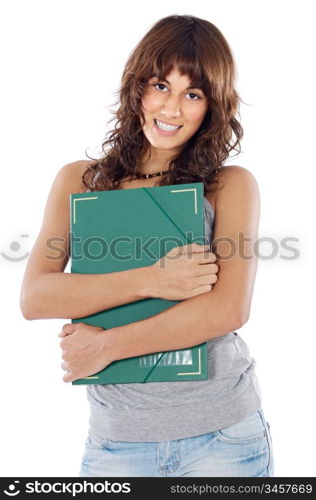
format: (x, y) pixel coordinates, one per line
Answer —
(167, 215)
(188, 240)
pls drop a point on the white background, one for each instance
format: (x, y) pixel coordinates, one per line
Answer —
(61, 66)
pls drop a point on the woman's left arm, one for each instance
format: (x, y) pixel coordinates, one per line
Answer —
(198, 319)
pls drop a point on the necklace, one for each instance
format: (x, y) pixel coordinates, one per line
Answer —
(148, 176)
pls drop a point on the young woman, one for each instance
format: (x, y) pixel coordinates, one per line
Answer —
(176, 124)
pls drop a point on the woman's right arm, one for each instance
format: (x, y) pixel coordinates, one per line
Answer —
(48, 292)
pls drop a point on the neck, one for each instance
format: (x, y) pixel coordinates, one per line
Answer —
(155, 161)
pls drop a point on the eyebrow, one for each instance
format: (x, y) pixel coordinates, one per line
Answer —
(164, 80)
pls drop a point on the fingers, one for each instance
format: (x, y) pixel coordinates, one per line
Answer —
(201, 289)
(202, 250)
(193, 248)
(208, 279)
(68, 377)
(205, 258)
(65, 366)
(67, 329)
(207, 269)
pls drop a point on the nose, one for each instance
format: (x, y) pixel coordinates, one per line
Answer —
(171, 107)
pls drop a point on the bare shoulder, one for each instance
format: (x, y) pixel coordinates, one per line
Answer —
(236, 181)
(233, 181)
(71, 175)
(235, 172)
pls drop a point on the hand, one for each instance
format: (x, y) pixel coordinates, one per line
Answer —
(84, 349)
(184, 272)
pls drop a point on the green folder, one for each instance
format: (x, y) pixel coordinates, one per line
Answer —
(116, 230)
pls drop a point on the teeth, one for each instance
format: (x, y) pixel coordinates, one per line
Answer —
(167, 128)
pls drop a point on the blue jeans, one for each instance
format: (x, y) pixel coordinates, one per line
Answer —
(241, 450)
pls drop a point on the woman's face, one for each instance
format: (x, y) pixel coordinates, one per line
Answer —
(173, 111)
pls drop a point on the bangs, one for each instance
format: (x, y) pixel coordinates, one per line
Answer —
(183, 58)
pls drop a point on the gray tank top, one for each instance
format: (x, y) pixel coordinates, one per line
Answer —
(164, 411)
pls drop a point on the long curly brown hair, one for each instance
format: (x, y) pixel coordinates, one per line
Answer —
(199, 50)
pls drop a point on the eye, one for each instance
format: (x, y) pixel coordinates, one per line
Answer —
(197, 96)
(161, 85)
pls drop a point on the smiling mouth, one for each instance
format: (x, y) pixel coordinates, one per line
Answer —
(166, 127)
